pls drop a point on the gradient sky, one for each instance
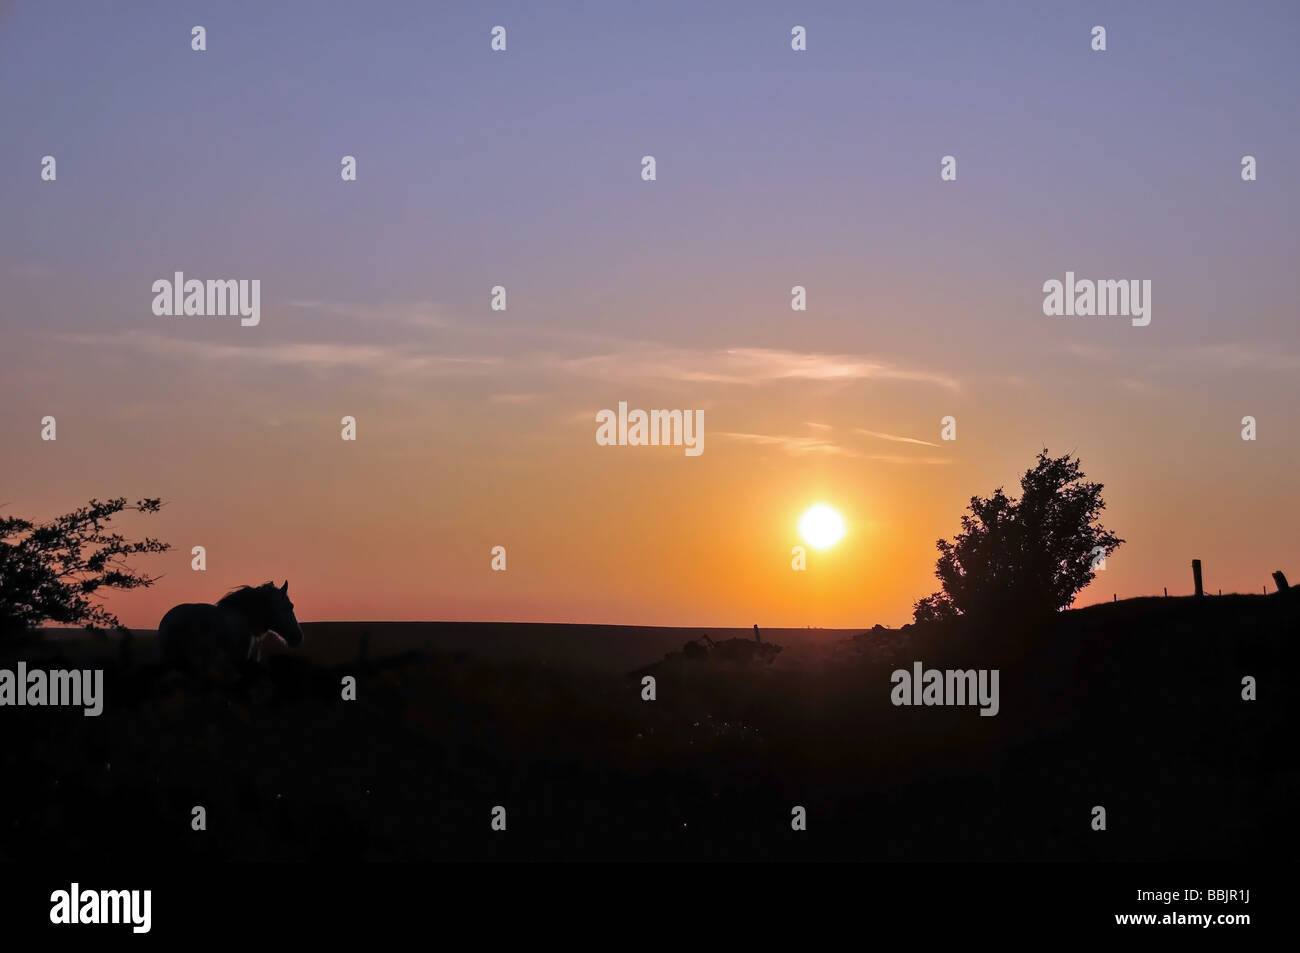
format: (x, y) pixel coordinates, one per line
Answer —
(775, 168)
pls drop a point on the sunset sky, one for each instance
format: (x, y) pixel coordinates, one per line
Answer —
(522, 169)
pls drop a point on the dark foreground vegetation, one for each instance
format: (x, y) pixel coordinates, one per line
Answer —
(1135, 706)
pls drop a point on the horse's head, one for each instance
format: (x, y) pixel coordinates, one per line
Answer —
(283, 622)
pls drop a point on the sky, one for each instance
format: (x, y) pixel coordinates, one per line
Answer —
(523, 169)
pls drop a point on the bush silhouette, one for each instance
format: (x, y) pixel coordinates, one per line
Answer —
(52, 571)
(1029, 556)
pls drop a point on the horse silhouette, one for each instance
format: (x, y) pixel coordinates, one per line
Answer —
(199, 635)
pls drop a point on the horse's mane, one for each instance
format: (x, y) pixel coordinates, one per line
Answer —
(247, 598)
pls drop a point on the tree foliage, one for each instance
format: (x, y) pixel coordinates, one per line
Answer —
(55, 571)
(1025, 556)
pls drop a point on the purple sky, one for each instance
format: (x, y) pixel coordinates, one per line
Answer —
(775, 168)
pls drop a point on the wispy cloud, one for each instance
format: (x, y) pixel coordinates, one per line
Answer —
(895, 438)
(803, 446)
(746, 366)
(631, 364)
(1241, 357)
(1135, 386)
(1091, 351)
(907, 461)
(795, 445)
(422, 314)
(1233, 356)
(386, 360)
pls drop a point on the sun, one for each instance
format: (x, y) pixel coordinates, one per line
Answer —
(821, 527)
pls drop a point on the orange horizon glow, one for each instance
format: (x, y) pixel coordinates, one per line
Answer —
(477, 426)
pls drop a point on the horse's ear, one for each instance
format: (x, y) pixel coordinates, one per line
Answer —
(285, 587)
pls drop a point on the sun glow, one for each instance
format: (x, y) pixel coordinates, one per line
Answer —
(821, 527)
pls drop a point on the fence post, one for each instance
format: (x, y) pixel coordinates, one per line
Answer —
(1196, 577)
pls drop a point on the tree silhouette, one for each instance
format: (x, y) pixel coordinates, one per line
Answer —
(1028, 556)
(52, 571)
